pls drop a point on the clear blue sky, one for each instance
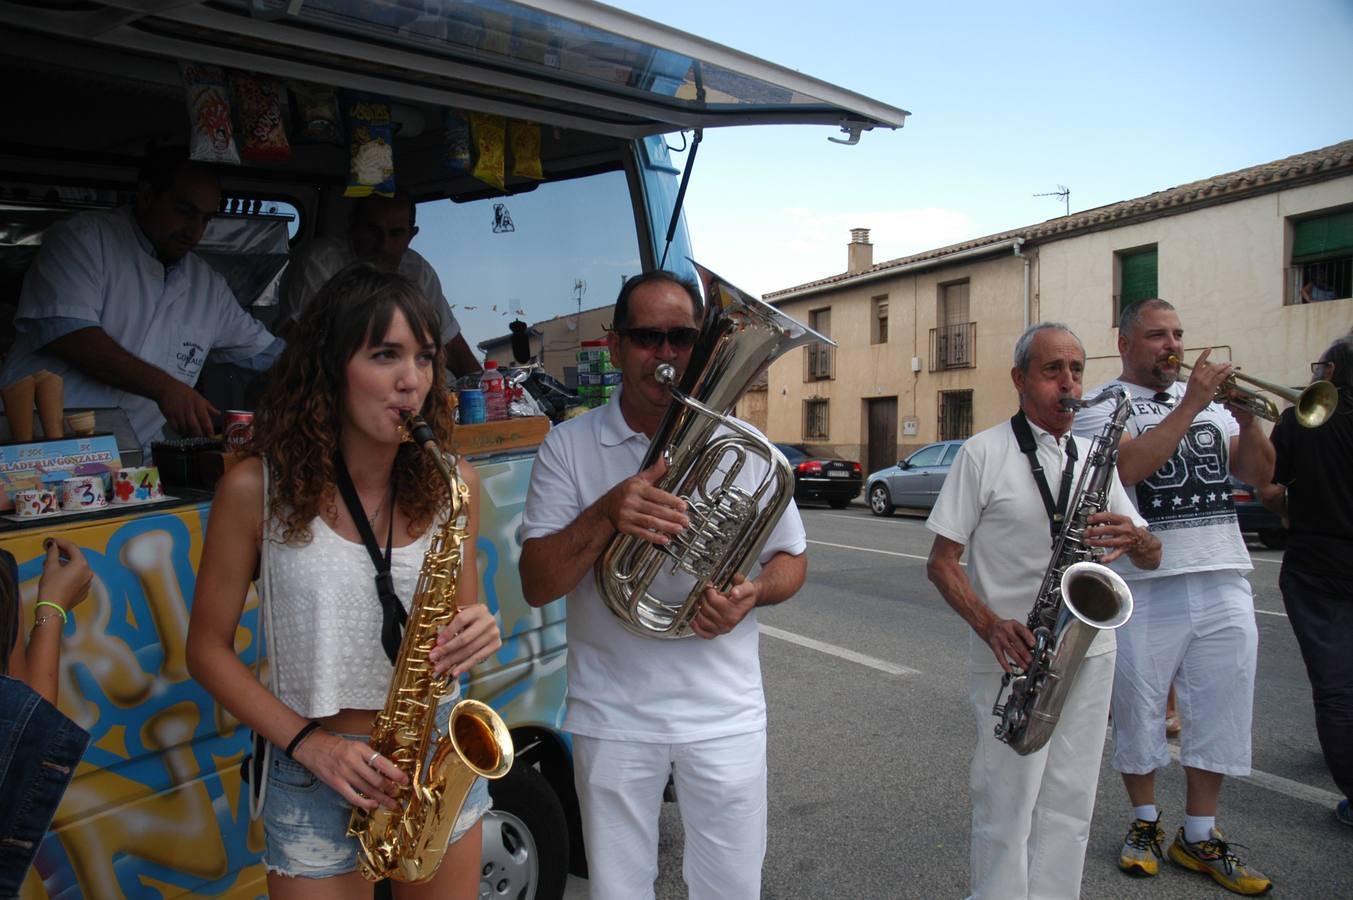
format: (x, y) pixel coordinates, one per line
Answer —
(1008, 100)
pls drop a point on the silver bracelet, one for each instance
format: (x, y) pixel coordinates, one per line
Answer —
(43, 618)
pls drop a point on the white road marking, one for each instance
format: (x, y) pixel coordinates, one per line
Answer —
(1265, 559)
(840, 652)
(1269, 612)
(872, 550)
(1285, 786)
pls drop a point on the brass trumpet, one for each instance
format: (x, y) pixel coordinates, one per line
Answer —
(1314, 404)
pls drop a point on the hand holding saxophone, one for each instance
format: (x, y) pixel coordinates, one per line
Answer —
(351, 768)
(1010, 640)
(470, 637)
(637, 507)
(1116, 535)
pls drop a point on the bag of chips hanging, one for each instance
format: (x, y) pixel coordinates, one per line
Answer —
(317, 116)
(371, 140)
(456, 136)
(525, 138)
(259, 106)
(489, 133)
(211, 137)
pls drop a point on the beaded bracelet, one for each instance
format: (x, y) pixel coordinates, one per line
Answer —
(61, 610)
(300, 736)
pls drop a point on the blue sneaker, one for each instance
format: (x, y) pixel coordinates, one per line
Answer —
(1343, 812)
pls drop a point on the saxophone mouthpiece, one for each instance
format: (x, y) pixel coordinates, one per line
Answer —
(418, 430)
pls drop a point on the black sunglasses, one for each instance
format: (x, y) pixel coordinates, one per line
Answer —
(648, 338)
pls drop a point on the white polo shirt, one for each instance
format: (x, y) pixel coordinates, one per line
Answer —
(98, 268)
(991, 504)
(622, 686)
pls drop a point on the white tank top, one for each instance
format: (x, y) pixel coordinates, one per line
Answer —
(325, 638)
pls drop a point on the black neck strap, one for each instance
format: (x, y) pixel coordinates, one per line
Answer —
(393, 614)
(1025, 436)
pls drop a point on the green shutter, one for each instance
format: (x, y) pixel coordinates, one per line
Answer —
(1138, 272)
(1325, 236)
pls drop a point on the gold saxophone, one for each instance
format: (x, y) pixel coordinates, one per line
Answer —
(407, 843)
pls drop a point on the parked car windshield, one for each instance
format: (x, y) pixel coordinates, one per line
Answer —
(792, 453)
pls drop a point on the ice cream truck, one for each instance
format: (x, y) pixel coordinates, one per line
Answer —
(535, 137)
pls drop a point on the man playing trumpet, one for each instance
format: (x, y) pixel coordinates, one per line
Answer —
(1193, 621)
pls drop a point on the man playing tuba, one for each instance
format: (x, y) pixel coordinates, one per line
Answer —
(639, 708)
(1030, 814)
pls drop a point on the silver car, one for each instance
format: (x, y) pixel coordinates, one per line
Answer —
(913, 482)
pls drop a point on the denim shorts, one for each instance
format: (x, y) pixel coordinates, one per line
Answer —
(306, 821)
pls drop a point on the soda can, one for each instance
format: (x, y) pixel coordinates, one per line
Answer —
(238, 428)
(472, 409)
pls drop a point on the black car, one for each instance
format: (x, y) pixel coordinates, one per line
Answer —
(822, 477)
(1255, 518)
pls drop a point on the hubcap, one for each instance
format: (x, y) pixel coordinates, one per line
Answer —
(878, 499)
(510, 866)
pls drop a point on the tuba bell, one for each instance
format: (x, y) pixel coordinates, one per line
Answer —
(705, 450)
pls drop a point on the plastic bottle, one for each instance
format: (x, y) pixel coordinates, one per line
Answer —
(495, 392)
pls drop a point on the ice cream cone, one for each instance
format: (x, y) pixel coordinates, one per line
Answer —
(19, 408)
(51, 404)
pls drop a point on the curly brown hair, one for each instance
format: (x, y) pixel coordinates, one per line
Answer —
(298, 420)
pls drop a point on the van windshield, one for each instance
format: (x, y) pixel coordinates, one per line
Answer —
(551, 252)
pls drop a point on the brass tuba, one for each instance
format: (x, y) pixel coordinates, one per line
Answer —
(705, 450)
(407, 843)
(1314, 404)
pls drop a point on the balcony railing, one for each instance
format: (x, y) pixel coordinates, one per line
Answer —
(953, 347)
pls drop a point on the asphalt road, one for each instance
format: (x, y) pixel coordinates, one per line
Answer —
(871, 737)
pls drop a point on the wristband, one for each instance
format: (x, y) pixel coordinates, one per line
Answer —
(300, 736)
(61, 610)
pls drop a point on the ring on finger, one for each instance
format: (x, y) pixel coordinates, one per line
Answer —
(372, 761)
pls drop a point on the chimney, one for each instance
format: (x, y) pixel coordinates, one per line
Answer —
(859, 252)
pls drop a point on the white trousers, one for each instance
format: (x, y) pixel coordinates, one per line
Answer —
(1031, 814)
(1198, 631)
(721, 790)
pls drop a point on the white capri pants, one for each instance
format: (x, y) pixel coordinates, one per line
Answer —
(721, 790)
(1198, 631)
(1031, 814)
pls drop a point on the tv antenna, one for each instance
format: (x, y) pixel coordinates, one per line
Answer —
(579, 288)
(1062, 193)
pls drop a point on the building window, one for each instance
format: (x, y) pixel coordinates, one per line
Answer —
(878, 320)
(955, 415)
(1322, 259)
(819, 359)
(815, 420)
(1134, 278)
(953, 343)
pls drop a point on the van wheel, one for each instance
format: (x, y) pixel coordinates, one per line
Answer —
(525, 839)
(880, 501)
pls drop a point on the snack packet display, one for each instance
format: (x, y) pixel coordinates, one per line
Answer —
(489, 134)
(371, 139)
(525, 137)
(259, 105)
(211, 136)
(457, 141)
(317, 117)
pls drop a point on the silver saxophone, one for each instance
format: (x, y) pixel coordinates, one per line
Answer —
(705, 450)
(1077, 600)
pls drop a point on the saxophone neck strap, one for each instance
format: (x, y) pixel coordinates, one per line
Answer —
(1024, 434)
(393, 614)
